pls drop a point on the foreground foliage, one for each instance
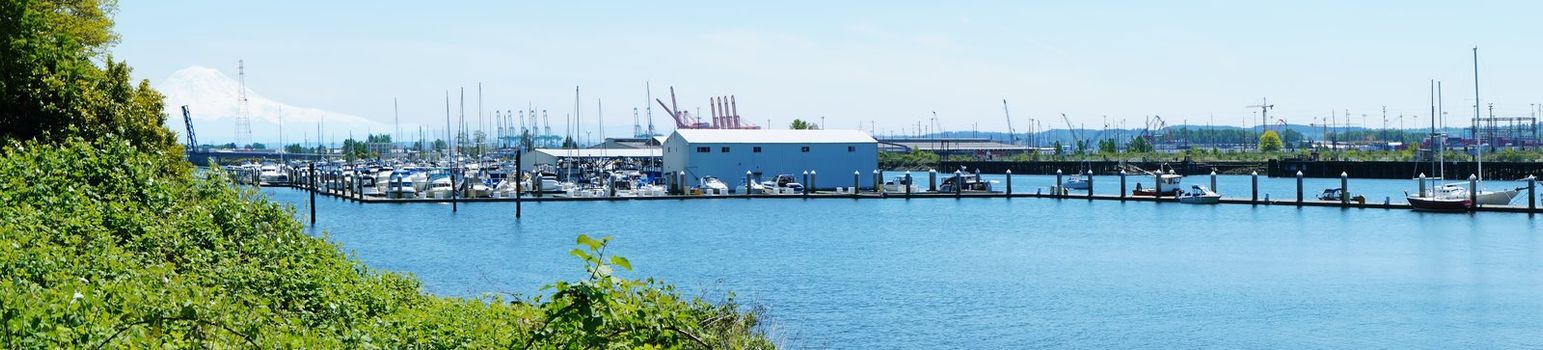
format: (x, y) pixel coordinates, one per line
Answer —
(104, 245)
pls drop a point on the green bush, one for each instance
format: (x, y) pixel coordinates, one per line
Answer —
(105, 245)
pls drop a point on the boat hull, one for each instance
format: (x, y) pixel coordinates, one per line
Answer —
(1201, 200)
(1432, 204)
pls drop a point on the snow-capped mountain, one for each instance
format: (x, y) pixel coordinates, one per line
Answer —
(211, 96)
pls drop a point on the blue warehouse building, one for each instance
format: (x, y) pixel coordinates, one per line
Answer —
(728, 154)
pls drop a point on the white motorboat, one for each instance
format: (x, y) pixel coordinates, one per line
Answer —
(399, 187)
(440, 187)
(1168, 184)
(271, 175)
(1200, 195)
(475, 188)
(711, 185)
(901, 184)
(368, 186)
(782, 184)
(1077, 182)
(965, 182)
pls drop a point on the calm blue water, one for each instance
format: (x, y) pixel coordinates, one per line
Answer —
(1020, 273)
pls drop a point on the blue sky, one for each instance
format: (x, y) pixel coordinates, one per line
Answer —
(889, 64)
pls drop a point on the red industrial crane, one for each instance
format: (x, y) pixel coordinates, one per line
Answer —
(725, 114)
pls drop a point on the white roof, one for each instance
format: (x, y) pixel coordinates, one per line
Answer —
(774, 136)
(601, 153)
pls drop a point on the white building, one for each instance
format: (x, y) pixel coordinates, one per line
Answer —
(728, 154)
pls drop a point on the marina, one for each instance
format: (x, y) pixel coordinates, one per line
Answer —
(1244, 189)
(994, 272)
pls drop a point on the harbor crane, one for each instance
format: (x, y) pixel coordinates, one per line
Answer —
(1264, 107)
(725, 114)
(187, 118)
(1012, 138)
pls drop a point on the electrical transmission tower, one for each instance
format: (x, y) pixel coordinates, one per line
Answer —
(243, 112)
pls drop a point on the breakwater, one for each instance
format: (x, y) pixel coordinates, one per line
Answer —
(1103, 167)
(1271, 168)
(1401, 170)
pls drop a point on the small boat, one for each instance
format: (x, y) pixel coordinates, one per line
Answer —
(1443, 198)
(475, 188)
(965, 182)
(1077, 182)
(1337, 194)
(1168, 185)
(1503, 197)
(711, 185)
(901, 184)
(400, 187)
(368, 185)
(272, 175)
(782, 184)
(440, 187)
(1200, 195)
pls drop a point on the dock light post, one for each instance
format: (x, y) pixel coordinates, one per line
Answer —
(1422, 185)
(747, 182)
(1532, 193)
(1344, 188)
(856, 180)
(1213, 181)
(1057, 189)
(958, 183)
(813, 179)
(519, 182)
(1009, 183)
(1299, 188)
(312, 180)
(878, 181)
(806, 185)
(1122, 184)
(1254, 193)
(932, 180)
(1473, 190)
(1090, 184)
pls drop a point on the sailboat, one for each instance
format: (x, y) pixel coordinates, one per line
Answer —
(1439, 198)
(1481, 196)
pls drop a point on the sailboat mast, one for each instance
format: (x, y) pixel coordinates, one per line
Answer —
(1441, 110)
(1476, 136)
(1435, 145)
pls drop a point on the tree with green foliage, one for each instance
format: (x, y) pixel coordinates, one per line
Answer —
(800, 124)
(57, 81)
(257, 146)
(1270, 141)
(294, 148)
(1058, 147)
(1138, 144)
(1108, 146)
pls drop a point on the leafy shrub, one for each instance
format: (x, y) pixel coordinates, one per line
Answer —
(104, 245)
